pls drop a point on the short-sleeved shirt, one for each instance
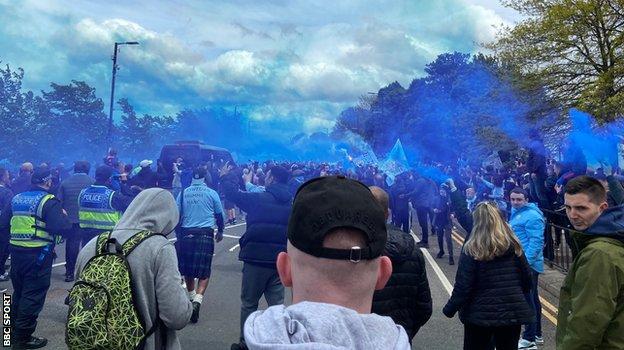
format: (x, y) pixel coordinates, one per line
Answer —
(201, 203)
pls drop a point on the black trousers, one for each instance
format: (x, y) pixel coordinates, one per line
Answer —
(444, 233)
(423, 220)
(72, 247)
(30, 286)
(4, 253)
(87, 235)
(486, 338)
(403, 221)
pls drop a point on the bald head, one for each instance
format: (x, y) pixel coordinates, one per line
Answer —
(26, 167)
(381, 197)
(339, 282)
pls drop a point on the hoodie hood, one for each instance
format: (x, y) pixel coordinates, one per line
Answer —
(153, 210)
(399, 246)
(319, 326)
(280, 192)
(609, 224)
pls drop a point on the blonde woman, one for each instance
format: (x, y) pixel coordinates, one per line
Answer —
(492, 279)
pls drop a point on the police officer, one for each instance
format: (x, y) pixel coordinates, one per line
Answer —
(6, 195)
(99, 206)
(36, 220)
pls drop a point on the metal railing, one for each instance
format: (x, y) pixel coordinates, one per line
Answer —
(557, 241)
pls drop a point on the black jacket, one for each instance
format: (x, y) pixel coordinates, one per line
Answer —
(69, 191)
(145, 178)
(536, 162)
(267, 220)
(442, 218)
(424, 193)
(459, 206)
(492, 293)
(21, 183)
(406, 298)
(6, 195)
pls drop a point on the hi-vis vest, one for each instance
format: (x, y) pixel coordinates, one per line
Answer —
(96, 208)
(28, 229)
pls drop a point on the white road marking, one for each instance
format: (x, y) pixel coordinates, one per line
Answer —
(436, 268)
(234, 247)
(548, 310)
(237, 225)
(174, 239)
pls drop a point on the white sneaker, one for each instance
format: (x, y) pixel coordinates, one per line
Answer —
(524, 344)
(539, 340)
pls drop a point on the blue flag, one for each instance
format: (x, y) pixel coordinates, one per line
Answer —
(366, 157)
(396, 163)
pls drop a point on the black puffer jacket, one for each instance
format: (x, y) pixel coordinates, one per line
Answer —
(267, 220)
(492, 293)
(460, 208)
(406, 297)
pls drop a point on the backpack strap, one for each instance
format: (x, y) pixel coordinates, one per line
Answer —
(137, 239)
(127, 248)
(100, 246)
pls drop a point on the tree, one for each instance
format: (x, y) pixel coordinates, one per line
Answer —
(16, 116)
(134, 132)
(143, 136)
(575, 48)
(71, 123)
(463, 106)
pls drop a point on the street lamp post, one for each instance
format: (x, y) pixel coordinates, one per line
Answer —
(112, 97)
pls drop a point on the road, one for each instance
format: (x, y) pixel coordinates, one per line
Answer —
(218, 325)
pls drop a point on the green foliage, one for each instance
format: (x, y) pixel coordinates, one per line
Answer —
(65, 123)
(575, 48)
(16, 115)
(68, 122)
(75, 112)
(463, 106)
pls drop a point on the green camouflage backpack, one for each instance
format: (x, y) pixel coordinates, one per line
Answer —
(102, 311)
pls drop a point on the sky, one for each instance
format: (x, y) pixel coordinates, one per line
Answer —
(290, 60)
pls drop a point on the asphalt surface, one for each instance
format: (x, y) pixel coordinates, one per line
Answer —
(218, 325)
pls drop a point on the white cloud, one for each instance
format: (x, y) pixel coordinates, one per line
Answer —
(325, 81)
(313, 124)
(297, 60)
(239, 67)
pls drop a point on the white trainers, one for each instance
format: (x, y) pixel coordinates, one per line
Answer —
(539, 340)
(524, 344)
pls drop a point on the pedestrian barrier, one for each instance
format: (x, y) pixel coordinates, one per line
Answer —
(558, 250)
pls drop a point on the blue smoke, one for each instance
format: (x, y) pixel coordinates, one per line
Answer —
(599, 144)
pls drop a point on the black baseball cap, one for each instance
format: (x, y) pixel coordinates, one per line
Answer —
(325, 203)
(40, 175)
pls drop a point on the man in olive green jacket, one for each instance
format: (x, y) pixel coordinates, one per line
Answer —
(591, 304)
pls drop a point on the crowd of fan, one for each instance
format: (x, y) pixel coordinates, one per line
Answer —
(483, 200)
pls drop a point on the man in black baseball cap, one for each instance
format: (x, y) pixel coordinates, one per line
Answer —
(334, 263)
(327, 204)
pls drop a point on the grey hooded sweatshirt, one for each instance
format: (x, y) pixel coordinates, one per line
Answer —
(319, 326)
(154, 266)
